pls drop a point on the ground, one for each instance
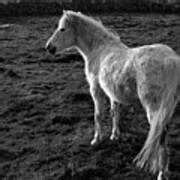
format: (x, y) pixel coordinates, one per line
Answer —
(46, 112)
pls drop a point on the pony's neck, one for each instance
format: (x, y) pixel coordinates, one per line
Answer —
(87, 42)
(91, 38)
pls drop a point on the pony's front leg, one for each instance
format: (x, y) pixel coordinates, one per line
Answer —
(115, 120)
(97, 96)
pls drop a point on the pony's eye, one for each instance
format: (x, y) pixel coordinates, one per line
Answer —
(62, 29)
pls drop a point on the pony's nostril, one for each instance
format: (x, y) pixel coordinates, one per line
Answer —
(51, 49)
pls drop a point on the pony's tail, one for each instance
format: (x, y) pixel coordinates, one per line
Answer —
(148, 157)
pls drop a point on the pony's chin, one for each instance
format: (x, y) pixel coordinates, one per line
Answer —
(59, 52)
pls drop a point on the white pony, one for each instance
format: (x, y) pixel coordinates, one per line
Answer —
(150, 73)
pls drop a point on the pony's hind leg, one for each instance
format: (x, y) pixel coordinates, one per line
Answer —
(163, 150)
(97, 96)
(115, 120)
(154, 156)
(163, 157)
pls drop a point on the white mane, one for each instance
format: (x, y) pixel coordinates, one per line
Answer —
(94, 23)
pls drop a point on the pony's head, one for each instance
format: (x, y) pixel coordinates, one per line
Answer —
(79, 31)
(64, 36)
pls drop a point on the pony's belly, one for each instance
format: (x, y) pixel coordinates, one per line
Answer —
(120, 91)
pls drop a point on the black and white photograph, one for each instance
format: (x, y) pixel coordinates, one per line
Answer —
(89, 89)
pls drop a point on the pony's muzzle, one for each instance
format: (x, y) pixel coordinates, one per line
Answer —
(51, 49)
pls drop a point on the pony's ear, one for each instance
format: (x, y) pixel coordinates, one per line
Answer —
(64, 11)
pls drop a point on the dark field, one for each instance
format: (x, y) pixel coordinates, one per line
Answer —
(46, 112)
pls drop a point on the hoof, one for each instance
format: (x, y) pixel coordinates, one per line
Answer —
(114, 137)
(162, 176)
(96, 140)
